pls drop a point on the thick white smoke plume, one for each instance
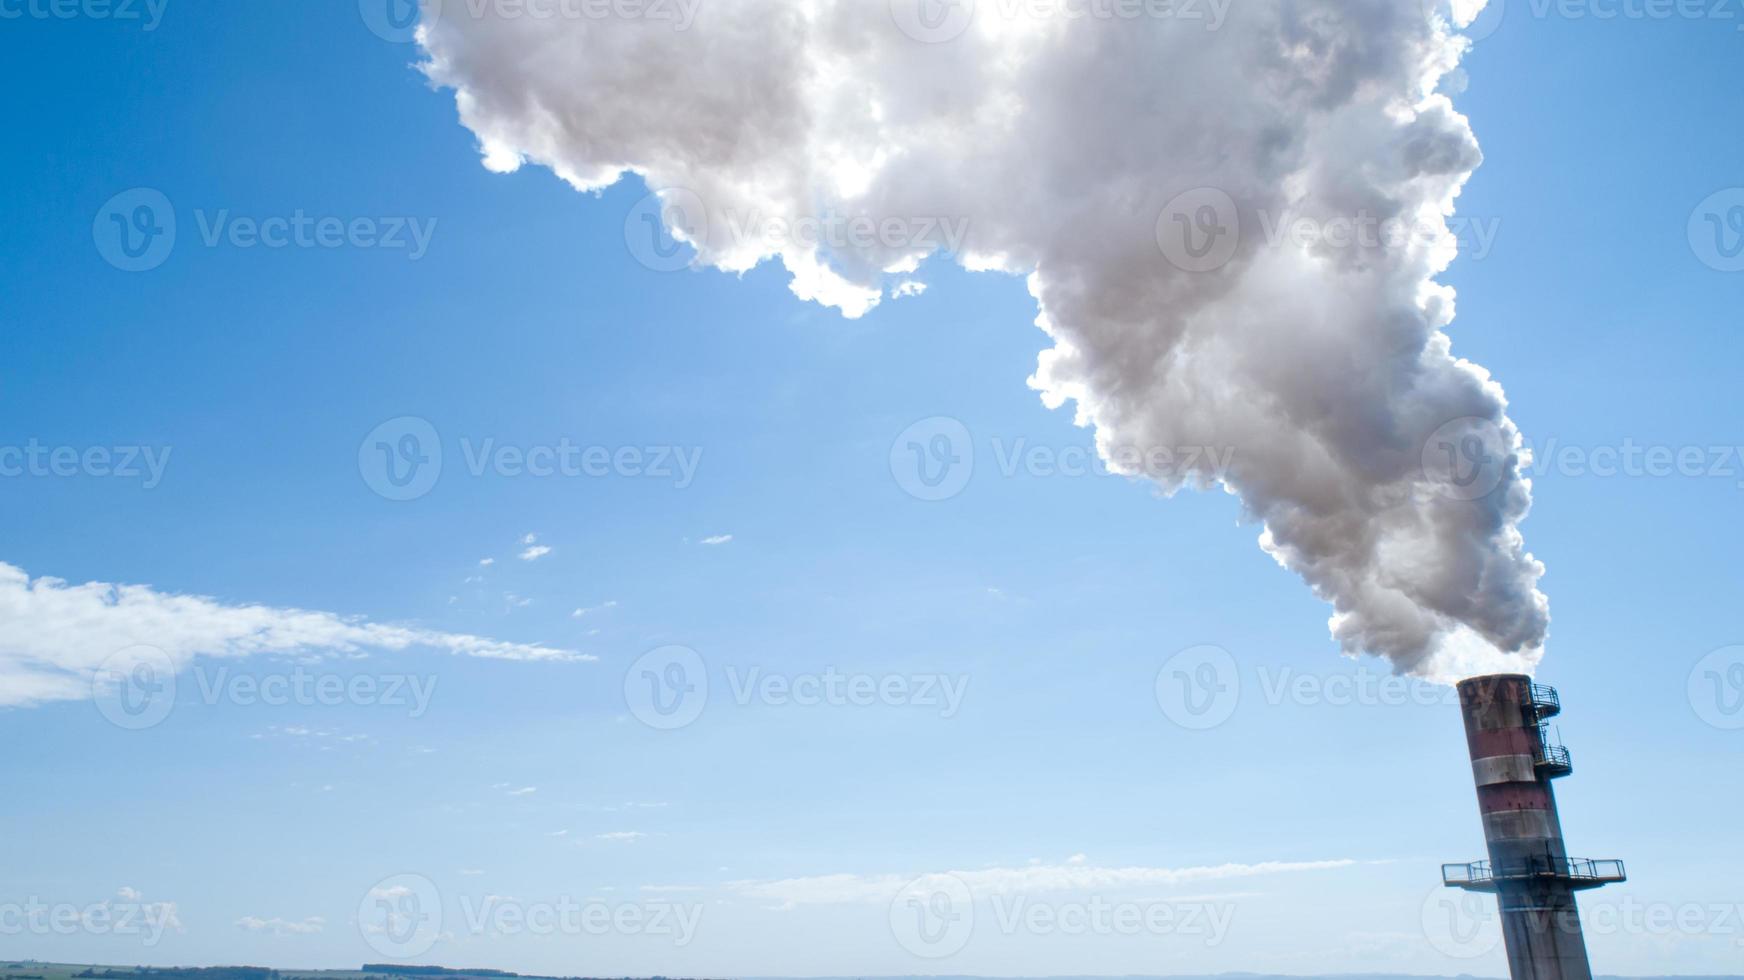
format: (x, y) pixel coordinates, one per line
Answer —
(1230, 212)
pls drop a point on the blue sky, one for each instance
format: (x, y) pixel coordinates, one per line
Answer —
(1014, 632)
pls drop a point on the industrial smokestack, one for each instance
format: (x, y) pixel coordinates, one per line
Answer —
(1529, 870)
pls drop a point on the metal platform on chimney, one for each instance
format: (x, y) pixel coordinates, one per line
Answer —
(1552, 759)
(1578, 873)
(1545, 701)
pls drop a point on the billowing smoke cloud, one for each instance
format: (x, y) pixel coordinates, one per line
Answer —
(1230, 214)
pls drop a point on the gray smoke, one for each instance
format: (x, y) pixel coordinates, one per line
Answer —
(1230, 215)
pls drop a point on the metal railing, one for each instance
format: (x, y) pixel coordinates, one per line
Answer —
(1555, 757)
(1587, 869)
(1582, 871)
(1545, 700)
(1551, 754)
(1474, 873)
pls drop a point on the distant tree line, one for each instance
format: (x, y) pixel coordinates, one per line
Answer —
(183, 973)
(405, 970)
(408, 970)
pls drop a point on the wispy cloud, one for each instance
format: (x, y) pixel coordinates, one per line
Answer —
(717, 539)
(282, 927)
(54, 636)
(621, 807)
(609, 604)
(837, 889)
(621, 836)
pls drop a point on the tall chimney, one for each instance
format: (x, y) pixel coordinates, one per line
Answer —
(1529, 870)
